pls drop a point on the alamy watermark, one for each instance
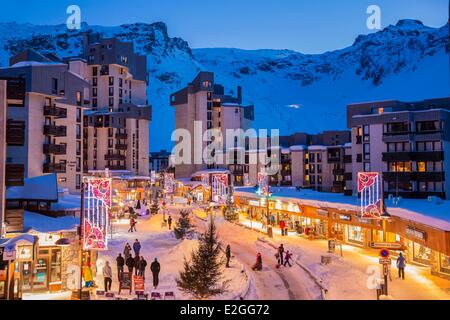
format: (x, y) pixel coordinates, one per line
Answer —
(374, 20)
(227, 147)
(73, 22)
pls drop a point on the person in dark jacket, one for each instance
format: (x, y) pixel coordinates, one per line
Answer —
(137, 261)
(401, 264)
(228, 255)
(155, 268)
(120, 263)
(130, 264)
(280, 254)
(136, 247)
(169, 221)
(142, 266)
(287, 259)
(258, 265)
(126, 251)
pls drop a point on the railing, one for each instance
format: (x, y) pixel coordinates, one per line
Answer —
(15, 133)
(58, 131)
(57, 149)
(119, 157)
(413, 156)
(54, 168)
(57, 112)
(121, 136)
(120, 146)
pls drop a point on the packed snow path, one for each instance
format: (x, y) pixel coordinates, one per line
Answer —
(271, 283)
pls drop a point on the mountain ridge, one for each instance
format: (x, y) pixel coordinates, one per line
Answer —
(291, 91)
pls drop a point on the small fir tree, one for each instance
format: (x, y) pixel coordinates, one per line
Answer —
(154, 208)
(230, 213)
(184, 228)
(202, 275)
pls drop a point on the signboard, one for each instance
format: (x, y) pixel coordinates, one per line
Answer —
(139, 285)
(97, 197)
(125, 281)
(331, 246)
(415, 233)
(387, 245)
(369, 186)
(384, 253)
(345, 217)
(9, 255)
(322, 213)
(386, 261)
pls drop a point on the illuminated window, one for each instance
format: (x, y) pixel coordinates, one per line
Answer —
(421, 167)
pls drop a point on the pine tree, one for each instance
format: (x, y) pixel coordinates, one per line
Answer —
(230, 212)
(202, 275)
(184, 227)
(154, 208)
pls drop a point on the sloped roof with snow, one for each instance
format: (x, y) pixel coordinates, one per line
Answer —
(422, 211)
(42, 188)
(40, 223)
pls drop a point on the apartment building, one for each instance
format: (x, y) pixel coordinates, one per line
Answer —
(159, 161)
(116, 130)
(315, 161)
(407, 141)
(3, 121)
(45, 105)
(205, 102)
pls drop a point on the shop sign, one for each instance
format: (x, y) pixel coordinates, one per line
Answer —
(415, 233)
(9, 255)
(293, 207)
(331, 246)
(125, 282)
(254, 203)
(322, 213)
(139, 286)
(26, 253)
(345, 217)
(387, 245)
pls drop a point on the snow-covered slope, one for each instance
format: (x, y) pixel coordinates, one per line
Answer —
(291, 91)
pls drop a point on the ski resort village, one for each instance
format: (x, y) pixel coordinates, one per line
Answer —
(136, 168)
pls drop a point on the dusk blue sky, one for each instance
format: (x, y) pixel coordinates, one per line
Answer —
(306, 26)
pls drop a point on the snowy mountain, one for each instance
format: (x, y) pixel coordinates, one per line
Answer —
(291, 91)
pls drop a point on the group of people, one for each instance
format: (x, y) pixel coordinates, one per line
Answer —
(138, 264)
(283, 258)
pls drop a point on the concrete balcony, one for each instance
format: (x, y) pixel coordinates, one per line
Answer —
(121, 136)
(57, 131)
(56, 149)
(117, 157)
(14, 174)
(120, 146)
(54, 168)
(52, 111)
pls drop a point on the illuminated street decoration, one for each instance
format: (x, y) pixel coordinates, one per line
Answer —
(205, 180)
(96, 215)
(169, 182)
(219, 188)
(263, 183)
(369, 186)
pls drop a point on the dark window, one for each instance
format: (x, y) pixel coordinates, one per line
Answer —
(54, 85)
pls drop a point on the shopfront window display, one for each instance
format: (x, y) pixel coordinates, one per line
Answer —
(421, 254)
(355, 234)
(444, 263)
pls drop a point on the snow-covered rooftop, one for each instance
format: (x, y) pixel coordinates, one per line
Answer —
(40, 223)
(422, 211)
(36, 188)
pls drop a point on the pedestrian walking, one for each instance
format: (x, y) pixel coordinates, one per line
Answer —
(155, 268)
(228, 255)
(87, 276)
(132, 226)
(282, 227)
(280, 254)
(258, 264)
(169, 221)
(287, 259)
(107, 276)
(142, 266)
(120, 263)
(136, 247)
(401, 264)
(130, 264)
(137, 261)
(126, 251)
